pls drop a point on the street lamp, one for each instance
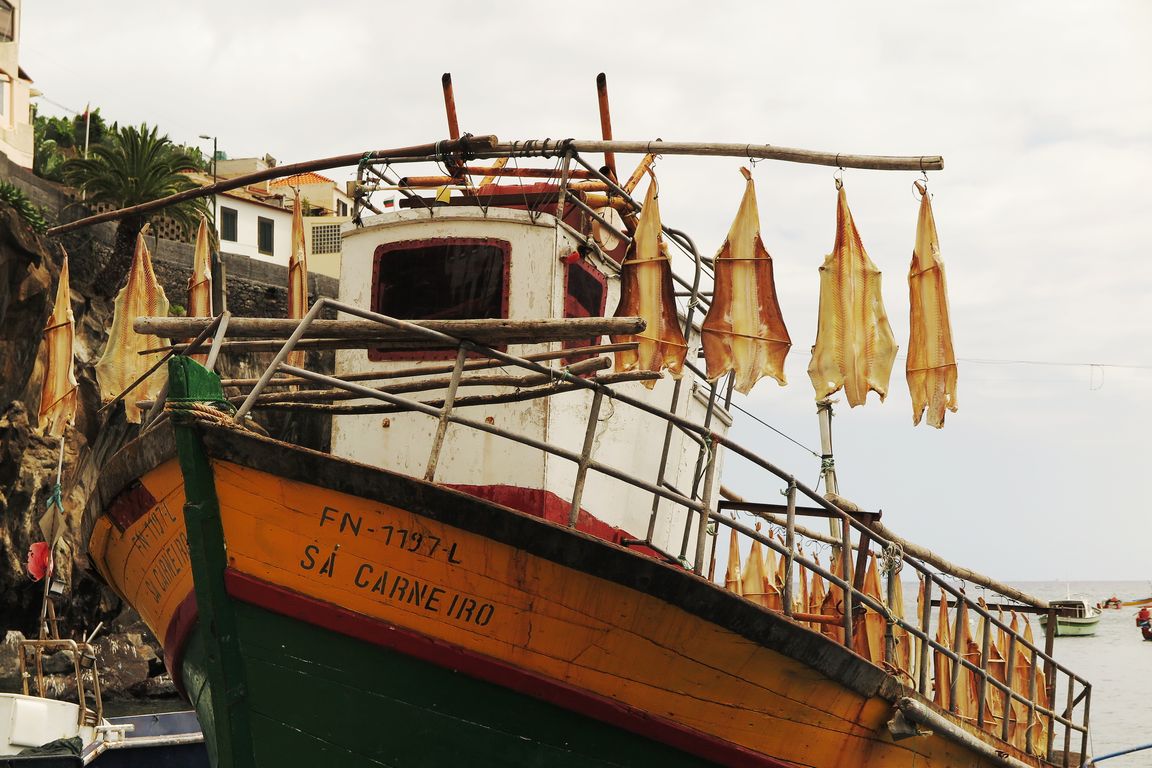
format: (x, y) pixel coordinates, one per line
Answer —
(219, 292)
(206, 137)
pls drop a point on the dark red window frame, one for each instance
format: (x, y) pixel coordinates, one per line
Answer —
(573, 308)
(380, 254)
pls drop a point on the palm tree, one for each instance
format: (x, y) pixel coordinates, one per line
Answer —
(135, 166)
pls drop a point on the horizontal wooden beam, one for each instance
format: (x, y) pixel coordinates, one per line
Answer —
(714, 149)
(472, 147)
(490, 332)
(760, 508)
(464, 146)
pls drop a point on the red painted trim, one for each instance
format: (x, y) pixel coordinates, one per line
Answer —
(130, 505)
(176, 638)
(322, 614)
(548, 506)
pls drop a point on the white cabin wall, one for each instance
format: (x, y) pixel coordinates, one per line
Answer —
(626, 438)
(469, 457)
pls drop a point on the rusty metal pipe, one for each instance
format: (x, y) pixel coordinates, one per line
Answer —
(605, 121)
(450, 106)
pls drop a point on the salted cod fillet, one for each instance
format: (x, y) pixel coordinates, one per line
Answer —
(744, 331)
(646, 291)
(120, 364)
(58, 391)
(931, 367)
(855, 348)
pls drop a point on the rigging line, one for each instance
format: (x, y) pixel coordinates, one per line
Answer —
(990, 361)
(759, 420)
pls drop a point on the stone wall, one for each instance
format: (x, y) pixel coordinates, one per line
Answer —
(255, 288)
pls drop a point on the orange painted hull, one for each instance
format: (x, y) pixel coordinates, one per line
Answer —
(668, 648)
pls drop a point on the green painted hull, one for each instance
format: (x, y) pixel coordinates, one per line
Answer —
(318, 698)
(1073, 627)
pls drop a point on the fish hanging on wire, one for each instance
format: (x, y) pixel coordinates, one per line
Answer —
(931, 366)
(58, 390)
(200, 282)
(297, 275)
(121, 364)
(744, 331)
(855, 348)
(646, 291)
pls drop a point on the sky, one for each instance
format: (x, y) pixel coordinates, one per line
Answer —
(1042, 112)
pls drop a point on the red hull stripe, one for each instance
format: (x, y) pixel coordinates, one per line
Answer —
(294, 605)
(176, 637)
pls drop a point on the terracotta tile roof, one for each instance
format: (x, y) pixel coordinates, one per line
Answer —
(301, 179)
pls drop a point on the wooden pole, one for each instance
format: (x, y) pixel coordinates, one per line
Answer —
(494, 331)
(464, 146)
(605, 121)
(491, 147)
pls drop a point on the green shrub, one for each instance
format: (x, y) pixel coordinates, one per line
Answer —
(16, 198)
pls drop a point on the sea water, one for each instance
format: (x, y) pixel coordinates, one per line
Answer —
(1116, 661)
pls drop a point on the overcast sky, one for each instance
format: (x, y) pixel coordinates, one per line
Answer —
(1042, 111)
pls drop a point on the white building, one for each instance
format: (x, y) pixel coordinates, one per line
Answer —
(16, 139)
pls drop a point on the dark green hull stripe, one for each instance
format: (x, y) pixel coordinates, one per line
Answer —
(317, 698)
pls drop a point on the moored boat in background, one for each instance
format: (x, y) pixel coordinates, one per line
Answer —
(1074, 618)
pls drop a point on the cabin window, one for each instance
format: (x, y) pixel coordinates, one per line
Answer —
(441, 279)
(584, 296)
(228, 224)
(264, 235)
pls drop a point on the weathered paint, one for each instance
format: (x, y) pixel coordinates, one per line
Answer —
(536, 290)
(565, 611)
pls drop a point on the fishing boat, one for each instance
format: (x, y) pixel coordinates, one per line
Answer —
(507, 553)
(38, 730)
(1074, 618)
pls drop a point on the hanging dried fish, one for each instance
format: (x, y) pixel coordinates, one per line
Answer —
(855, 348)
(121, 364)
(200, 283)
(732, 581)
(868, 627)
(931, 367)
(297, 276)
(58, 391)
(646, 291)
(744, 331)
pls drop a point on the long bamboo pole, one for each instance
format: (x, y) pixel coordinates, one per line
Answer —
(490, 147)
(498, 331)
(466, 146)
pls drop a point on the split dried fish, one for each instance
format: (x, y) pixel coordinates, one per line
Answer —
(855, 348)
(646, 291)
(58, 392)
(121, 364)
(744, 331)
(931, 367)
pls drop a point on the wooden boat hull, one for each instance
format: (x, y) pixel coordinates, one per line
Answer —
(1071, 626)
(364, 617)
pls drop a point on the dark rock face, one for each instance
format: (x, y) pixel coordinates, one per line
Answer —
(129, 657)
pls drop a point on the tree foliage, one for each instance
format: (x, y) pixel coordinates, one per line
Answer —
(134, 165)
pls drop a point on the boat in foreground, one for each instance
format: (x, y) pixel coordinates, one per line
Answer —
(1074, 618)
(507, 553)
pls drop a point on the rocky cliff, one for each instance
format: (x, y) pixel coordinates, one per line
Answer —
(29, 269)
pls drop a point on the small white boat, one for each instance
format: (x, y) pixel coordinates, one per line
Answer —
(1074, 618)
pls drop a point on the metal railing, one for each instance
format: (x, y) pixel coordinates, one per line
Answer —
(1037, 704)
